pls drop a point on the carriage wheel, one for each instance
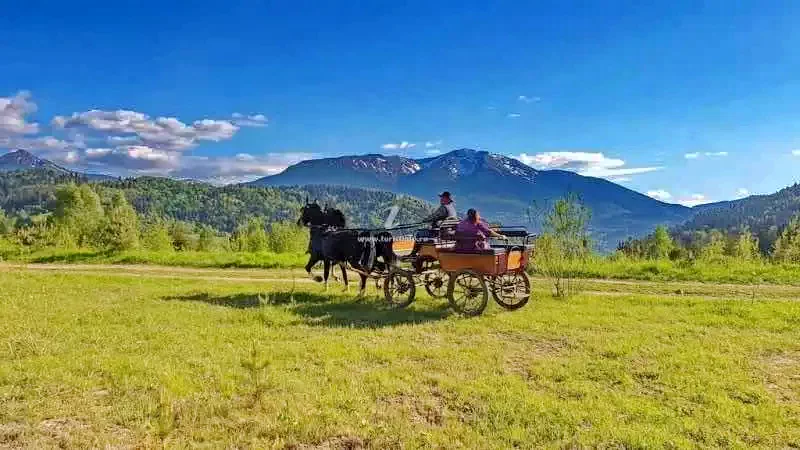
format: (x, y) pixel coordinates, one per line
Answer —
(399, 288)
(467, 293)
(436, 284)
(512, 290)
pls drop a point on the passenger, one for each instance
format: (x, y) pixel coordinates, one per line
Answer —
(473, 233)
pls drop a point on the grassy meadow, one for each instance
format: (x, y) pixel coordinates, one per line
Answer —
(127, 360)
(595, 267)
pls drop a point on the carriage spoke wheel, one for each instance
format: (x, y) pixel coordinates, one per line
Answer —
(436, 284)
(467, 293)
(399, 288)
(512, 290)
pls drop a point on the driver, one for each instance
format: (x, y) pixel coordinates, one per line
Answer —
(446, 210)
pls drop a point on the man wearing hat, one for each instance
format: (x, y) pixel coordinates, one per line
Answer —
(445, 211)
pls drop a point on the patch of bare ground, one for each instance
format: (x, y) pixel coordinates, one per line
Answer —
(521, 350)
(11, 434)
(63, 433)
(431, 407)
(782, 375)
(333, 443)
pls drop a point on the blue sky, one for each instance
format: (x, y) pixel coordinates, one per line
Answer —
(623, 90)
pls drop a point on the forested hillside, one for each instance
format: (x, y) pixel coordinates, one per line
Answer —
(32, 192)
(764, 215)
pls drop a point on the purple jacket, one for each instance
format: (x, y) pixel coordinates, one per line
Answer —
(472, 236)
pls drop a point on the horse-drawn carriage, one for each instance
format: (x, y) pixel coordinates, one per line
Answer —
(464, 277)
(431, 259)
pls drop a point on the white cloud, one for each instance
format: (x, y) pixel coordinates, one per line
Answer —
(796, 152)
(513, 115)
(526, 99)
(13, 112)
(433, 144)
(125, 127)
(71, 156)
(224, 170)
(433, 152)
(401, 146)
(46, 143)
(660, 194)
(97, 152)
(125, 142)
(697, 155)
(214, 130)
(143, 160)
(146, 153)
(693, 200)
(592, 164)
(255, 120)
(742, 192)
(491, 108)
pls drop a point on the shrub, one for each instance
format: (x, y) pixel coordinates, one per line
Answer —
(156, 236)
(286, 237)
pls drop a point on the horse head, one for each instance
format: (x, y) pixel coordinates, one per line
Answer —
(334, 218)
(311, 214)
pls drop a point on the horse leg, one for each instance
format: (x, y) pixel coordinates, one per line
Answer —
(312, 261)
(326, 272)
(344, 277)
(363, 287)
(336, 277)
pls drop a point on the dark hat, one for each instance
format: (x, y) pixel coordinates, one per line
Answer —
(445, 194)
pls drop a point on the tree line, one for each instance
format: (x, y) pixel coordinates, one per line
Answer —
(715, 245)
(41, 208)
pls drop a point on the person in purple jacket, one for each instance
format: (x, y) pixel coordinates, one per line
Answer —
(473, 233)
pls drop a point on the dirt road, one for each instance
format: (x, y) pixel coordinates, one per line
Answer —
(589, 286)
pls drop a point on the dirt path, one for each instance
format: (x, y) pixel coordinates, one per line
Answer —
(589, 286)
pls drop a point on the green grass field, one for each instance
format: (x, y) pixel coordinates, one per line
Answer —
(131, 359)
(739, 272)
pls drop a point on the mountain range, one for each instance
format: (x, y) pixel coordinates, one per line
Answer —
(503, 189)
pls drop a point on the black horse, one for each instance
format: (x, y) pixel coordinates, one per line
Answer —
(364, 251)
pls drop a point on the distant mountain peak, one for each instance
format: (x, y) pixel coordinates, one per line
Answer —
(22, 159)
(465, 161)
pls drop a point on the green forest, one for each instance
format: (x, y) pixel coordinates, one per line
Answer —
(46, 209)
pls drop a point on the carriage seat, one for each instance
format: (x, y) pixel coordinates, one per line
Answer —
(476, 251)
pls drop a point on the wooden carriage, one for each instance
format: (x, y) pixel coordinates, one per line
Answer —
(466, 277)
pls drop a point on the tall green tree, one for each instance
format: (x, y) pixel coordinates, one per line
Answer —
(661, 243)
(7, 223)
(80, 212)
(122, 224)
(156, 236)
(256, 235)
(787, 247)
(181, 236)
(287, 237)
(207, 239)
(744, 246)
(564, 243)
